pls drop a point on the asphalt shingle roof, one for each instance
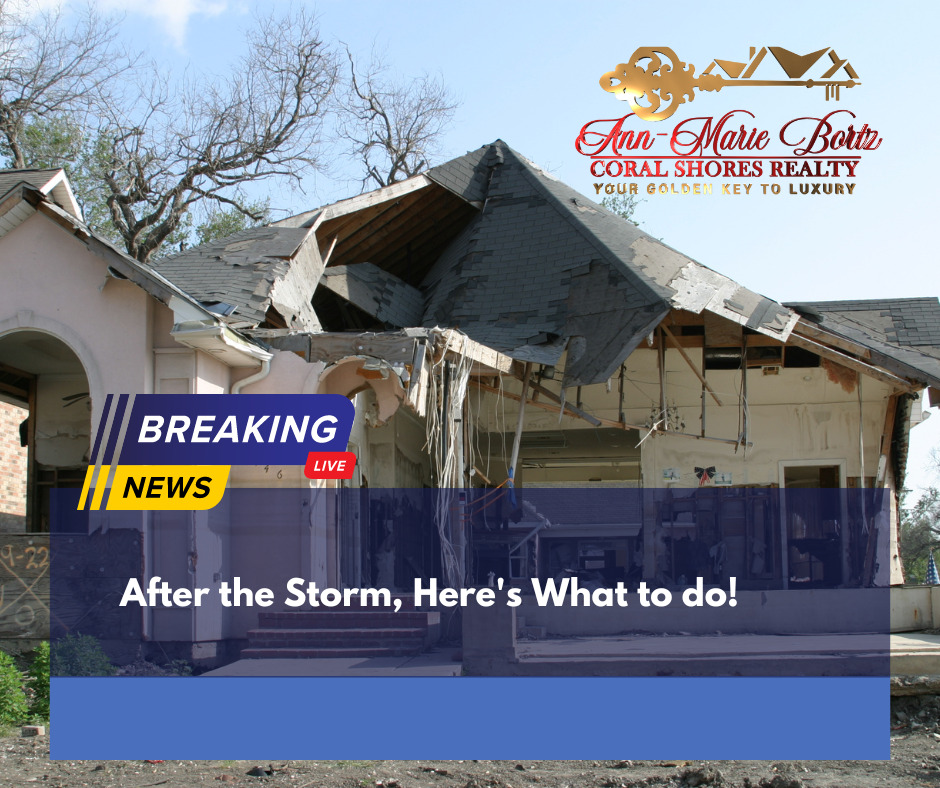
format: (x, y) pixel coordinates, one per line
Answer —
(904, 333)
(239, 270)
(539, 268)
(38, 178)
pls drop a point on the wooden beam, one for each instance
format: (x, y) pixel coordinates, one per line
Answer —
(570, 410)
(344, 207)
(568, 406)
(540, 389)
(480, 473)
(810, 331)
(691, 364)
(602, 422)
(886, 435)
(329, 254)
(21, 394)
(481, 355)
(852, 363)
(18, 372)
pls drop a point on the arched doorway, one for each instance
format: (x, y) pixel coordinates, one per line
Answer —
(43, 387)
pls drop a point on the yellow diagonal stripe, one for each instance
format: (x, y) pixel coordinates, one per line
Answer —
(88, 474)
(100, 485)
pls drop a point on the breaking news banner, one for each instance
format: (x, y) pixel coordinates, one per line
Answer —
(175, 451)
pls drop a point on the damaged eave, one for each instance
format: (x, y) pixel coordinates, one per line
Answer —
(852, 363)
(856, 356)
(194, 327)
(221, 342)
(391, 346)
(486, 361)
(808, 330)
(699, 289)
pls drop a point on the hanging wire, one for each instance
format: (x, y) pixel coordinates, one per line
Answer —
(448, 383)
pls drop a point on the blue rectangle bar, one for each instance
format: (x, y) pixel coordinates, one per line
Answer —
(405, 718)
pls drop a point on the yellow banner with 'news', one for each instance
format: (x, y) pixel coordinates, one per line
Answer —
(156, 487)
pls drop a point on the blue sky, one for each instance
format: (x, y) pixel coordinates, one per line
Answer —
(528, 73)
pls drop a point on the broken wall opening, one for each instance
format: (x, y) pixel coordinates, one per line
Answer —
(58, 423)
(14, 454)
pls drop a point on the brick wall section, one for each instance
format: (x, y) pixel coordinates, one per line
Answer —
(12, 469)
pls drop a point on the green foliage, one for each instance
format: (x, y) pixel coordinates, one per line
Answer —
(919, 533)
(219, 223)
(180, 667)
(80, 655)
(624, 205)
(50, 142)
(14, 707)
(57, 141)
(39, 683)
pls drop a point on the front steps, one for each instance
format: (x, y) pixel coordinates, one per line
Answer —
(343, 632)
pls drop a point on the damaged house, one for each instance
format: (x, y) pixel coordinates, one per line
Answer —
(503, 338)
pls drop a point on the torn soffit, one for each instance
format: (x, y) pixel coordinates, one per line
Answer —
(394, 347)
(242, 276)
(402, 228)
(902, 334)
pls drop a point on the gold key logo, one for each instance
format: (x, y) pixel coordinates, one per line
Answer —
(654, 89)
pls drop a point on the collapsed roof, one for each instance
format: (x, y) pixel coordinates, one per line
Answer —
(242, 276)
(492, 245)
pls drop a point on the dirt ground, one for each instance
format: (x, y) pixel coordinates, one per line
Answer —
(915, 761)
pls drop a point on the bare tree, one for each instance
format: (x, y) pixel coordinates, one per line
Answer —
(393, 128)
(203, 142)
(158, 162)
(48, 68)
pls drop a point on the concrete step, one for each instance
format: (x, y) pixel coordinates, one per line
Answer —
(346, 619)
(326, 653)
(328, 638)
(354, 631)
(407, 603)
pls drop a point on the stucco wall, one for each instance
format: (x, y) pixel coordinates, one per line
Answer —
(53, 283)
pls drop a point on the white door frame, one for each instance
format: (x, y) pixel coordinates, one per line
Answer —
(782, 465)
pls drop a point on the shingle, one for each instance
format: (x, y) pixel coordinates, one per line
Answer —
(35, 177)
(527, 276)
(239, 270)
(903, 333)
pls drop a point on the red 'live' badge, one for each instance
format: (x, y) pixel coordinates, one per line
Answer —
(330, 465)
